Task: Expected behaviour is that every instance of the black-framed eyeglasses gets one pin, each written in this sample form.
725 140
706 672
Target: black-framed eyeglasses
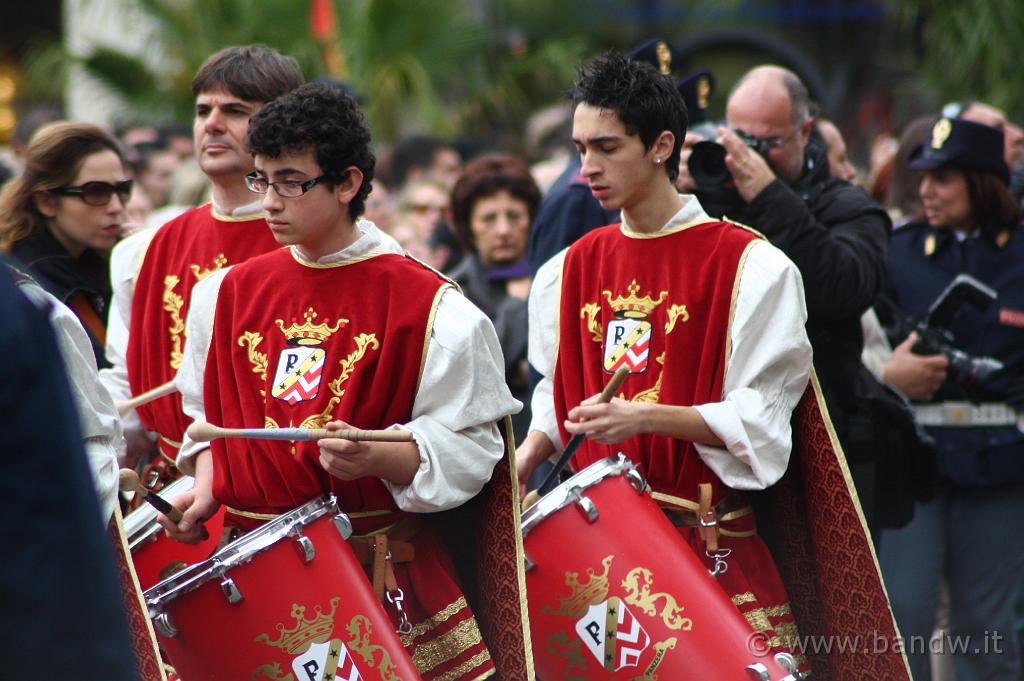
99 193
763 145
286 189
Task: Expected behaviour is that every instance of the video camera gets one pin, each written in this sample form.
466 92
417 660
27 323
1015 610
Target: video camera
936 337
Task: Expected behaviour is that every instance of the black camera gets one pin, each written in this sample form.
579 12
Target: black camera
936 337
707 161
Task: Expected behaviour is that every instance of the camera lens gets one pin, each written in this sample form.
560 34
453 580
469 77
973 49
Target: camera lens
707 165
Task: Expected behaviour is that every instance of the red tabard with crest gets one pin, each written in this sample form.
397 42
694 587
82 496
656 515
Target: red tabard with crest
662 304
297 345
182 252
681 281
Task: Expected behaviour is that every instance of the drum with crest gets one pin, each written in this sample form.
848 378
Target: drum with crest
615 593
288 600
155 555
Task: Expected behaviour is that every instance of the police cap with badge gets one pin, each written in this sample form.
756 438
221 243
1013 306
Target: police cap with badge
695 87
965 145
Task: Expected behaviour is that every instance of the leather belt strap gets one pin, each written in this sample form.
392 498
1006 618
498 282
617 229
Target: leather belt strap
379 552
965 414
707 518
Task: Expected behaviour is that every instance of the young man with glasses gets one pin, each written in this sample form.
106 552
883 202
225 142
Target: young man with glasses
340 330
834 233
153 271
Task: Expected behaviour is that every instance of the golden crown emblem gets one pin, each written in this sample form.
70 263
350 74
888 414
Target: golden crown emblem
940 132
309 333
218 263
632 305
582 596
306 632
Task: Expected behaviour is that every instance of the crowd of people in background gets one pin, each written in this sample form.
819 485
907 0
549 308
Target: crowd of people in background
931 435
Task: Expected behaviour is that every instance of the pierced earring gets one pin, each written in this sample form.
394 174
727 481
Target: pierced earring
657 161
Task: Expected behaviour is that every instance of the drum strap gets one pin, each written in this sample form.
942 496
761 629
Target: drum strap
380 551
707 518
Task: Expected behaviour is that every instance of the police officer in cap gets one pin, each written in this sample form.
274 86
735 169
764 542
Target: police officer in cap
967 533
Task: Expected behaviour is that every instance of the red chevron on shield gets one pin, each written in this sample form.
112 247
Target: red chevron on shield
627 342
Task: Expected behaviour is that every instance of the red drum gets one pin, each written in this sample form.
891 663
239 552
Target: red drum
286 601
615 593
155 555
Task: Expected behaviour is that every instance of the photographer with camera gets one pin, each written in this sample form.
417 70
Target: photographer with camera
769 172
976 323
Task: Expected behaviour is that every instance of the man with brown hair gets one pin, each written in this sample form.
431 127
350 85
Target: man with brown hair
153 271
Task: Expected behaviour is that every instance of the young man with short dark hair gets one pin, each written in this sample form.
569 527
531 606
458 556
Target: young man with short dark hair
342 328
683 301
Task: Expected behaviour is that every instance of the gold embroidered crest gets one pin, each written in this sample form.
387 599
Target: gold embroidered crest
627 339
173 303
218 263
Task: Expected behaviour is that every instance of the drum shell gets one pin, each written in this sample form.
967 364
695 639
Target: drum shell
217 640
712 638
153 551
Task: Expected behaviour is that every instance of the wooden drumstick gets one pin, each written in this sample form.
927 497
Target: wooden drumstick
128 481
574 442
126 406
200 431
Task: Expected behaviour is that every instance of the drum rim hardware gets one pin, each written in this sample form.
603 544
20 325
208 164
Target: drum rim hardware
139 525
759 672
569 491
240 552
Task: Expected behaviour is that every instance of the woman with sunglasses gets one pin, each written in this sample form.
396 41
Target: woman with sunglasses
61 216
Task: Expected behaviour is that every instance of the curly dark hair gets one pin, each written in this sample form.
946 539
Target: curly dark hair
325 120
486 176
647 102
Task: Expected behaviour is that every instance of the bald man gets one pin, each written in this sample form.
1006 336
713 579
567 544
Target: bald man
836 235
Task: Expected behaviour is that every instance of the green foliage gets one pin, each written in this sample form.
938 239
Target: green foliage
970 49
418 65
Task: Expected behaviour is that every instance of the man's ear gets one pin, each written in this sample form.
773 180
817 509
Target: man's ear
663 145
347 189
45 203
805 129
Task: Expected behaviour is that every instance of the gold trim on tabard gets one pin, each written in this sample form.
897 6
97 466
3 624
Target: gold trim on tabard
250 514
744 598
474 661
448 646
848 478
510 452
136 585
173 443
220 217
732 313
430 330
632 234
341 263
434 621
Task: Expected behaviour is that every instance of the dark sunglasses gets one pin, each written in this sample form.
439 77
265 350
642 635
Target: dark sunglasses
99 193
